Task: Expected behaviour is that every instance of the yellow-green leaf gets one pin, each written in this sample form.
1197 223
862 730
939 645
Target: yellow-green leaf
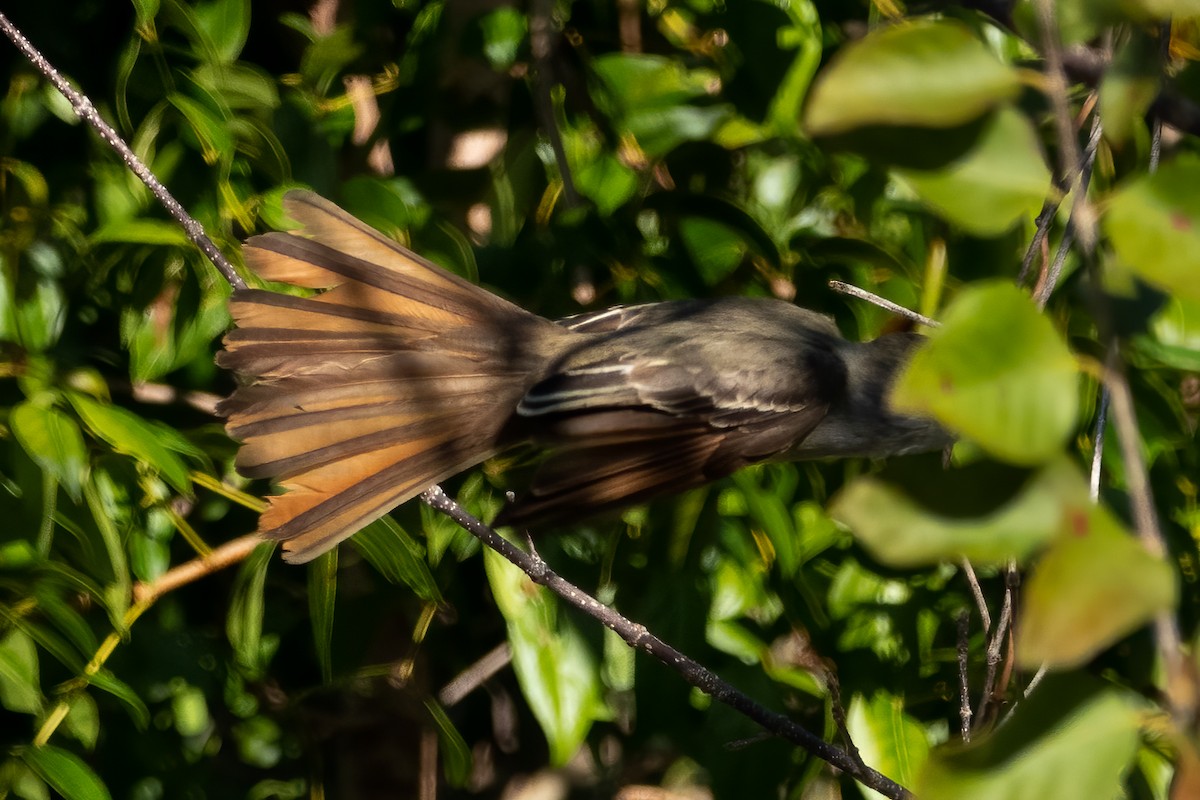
928 74
997 372
1095 585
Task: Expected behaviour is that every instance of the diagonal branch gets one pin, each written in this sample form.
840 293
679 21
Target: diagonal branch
639 638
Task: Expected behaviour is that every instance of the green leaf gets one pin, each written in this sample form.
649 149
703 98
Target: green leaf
933 74
503 34
900 533
259 741
1129 86
189 709
1154 225
40 316
1176 335
1094 586
212 132
997 372
21 781
83 720
1069 740
225 24
1002 180
397 556
770 511
141 231
556 669
322 602
456 755
715 248
53 441
107 682
128 433
20 690
65 772
888 739
243 626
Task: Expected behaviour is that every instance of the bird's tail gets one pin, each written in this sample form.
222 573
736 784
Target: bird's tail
396 376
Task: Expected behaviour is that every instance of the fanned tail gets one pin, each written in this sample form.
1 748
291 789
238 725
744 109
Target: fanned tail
396 376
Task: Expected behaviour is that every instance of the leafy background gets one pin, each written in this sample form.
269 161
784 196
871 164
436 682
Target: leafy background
759 148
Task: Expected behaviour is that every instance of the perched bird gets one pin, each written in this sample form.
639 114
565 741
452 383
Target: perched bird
399 374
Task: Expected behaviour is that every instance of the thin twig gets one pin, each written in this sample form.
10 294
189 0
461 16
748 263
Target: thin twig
964 685
1080 206
862 294
475 675
977 592
995 645
84 109
1056 89
639 638
541 37
1042 225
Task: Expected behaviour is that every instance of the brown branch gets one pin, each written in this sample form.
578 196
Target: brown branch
862 294
221 557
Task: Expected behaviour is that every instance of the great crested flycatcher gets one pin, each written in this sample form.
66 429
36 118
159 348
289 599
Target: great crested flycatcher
399 374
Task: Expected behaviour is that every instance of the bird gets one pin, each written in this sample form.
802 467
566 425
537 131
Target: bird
392 374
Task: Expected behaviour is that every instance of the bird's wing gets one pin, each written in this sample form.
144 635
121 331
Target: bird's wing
628 423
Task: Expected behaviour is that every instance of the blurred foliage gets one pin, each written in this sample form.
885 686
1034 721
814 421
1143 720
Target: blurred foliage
759 148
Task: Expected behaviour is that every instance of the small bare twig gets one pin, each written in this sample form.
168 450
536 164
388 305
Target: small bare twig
991 694
475 675
862 294
964 683
86 111
985 616
1056 90
541 37
1049 280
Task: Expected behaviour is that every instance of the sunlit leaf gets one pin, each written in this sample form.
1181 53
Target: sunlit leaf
397 556
897 531
53 440
83 720
19 687
189 710
888 739
557 670
40 315
128 433
1154 225
1069 740
1002 180
997 372
106 681
66 772
1095 585
244 623
935 74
